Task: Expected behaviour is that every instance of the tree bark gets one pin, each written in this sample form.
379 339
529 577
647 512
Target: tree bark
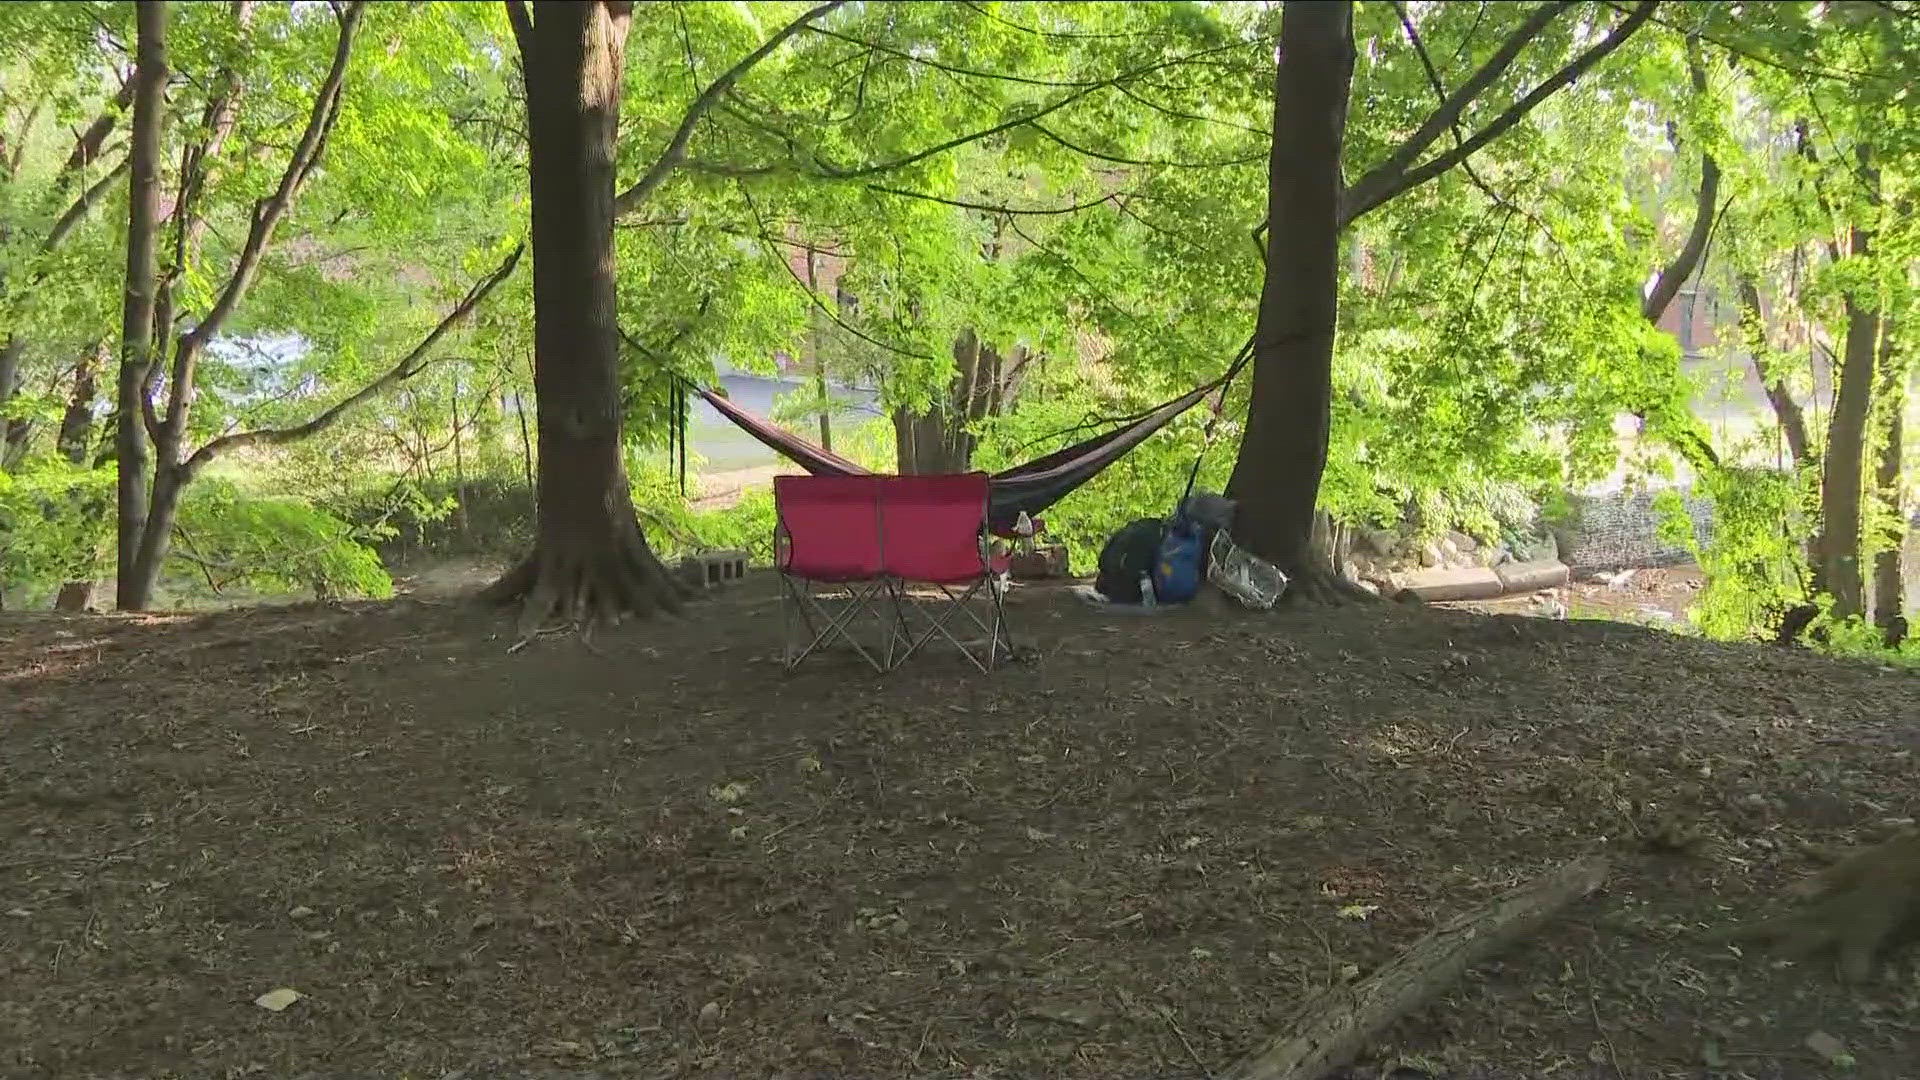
151 534
1864 904
1276 478
133 589
941 440
1787 411
1688 437
1889 585
1837 571
75 444
1675 274
590 562
819 360
1328 1032
12 356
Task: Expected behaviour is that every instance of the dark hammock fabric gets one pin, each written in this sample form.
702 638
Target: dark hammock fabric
1028 488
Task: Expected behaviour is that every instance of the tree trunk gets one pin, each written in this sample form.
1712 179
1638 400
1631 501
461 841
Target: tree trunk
821 397
1276 478
12 377
590 561
1792 419
136 319
1837 571
459 464
1889 586
941 440
1863 905
75 443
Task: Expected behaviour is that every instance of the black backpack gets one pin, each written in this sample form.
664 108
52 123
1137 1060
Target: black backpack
1127 555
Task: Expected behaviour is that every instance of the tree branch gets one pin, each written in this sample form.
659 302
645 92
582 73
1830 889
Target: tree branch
989 208
676 149
522 22
269 211
1393 176
408 366
1453 106
1753 325
1675 273
77 213
86 148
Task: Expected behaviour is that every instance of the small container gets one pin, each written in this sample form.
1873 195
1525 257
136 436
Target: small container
1146 590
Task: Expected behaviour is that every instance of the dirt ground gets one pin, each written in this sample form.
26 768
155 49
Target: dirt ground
1129 856
1656 596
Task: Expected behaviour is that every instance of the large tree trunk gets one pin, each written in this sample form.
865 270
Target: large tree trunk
1837 569
1276 478
941 440
590 561
1889 586
136 320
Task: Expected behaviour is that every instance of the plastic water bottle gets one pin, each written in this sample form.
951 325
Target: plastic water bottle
1146 590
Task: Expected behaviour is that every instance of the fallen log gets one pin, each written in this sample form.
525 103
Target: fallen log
1326 1032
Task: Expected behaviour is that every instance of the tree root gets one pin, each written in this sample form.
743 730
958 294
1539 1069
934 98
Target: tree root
1318 585
1859 908
586 589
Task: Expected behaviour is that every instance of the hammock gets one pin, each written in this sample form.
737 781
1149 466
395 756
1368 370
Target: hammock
1029 488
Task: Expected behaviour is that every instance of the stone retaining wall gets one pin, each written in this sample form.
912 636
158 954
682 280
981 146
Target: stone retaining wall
1622 528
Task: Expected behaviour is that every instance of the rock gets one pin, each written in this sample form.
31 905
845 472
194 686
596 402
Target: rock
1464 542
1383 542
1430 555
1449 550
710 1015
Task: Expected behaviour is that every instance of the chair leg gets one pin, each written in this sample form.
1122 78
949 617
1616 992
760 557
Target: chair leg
937 626
999 635
837 624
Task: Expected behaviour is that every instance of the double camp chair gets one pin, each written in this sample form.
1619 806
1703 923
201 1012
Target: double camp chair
865 540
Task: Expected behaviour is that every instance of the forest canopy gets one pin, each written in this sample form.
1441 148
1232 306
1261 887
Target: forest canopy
268 325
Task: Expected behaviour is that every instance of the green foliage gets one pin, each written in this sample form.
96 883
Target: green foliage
47 534
233 541
1490 332
1755 564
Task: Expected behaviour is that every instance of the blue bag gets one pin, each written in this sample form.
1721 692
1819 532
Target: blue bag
1182 564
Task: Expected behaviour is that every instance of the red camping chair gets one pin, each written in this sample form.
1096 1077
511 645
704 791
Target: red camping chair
827 532
935 534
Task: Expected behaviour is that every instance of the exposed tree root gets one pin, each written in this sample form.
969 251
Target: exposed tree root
585 586
1319 585
1858 908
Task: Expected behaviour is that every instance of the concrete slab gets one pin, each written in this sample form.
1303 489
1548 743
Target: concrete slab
1518 577
1438 584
